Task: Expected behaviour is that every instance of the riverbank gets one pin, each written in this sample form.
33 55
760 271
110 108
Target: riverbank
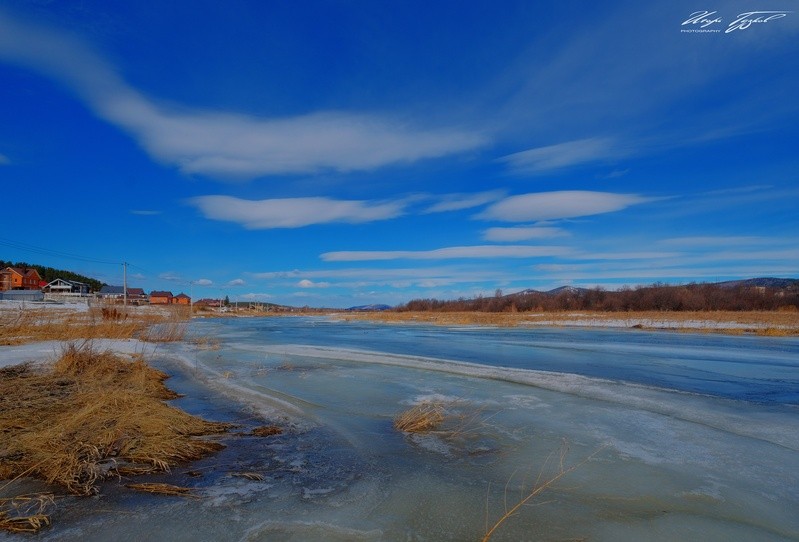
733 323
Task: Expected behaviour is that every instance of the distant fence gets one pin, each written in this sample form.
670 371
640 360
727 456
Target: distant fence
22 295
82 299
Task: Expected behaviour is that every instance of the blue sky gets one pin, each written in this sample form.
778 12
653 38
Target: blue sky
346 153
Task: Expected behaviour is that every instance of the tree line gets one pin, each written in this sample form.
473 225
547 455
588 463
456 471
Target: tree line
49 274
656 297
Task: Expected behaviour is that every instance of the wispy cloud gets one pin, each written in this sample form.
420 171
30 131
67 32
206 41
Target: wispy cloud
717 241
482 251
523 233
143 212
4 160
236 282
305 283
558 205
226 144
563 155
458 202
204 282
400 278
294 212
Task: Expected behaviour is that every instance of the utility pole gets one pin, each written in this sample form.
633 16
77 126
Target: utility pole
125 283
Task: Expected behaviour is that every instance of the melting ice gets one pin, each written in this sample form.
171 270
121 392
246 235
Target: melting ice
686 436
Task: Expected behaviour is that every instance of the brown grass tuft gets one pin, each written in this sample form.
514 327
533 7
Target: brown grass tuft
162 489
93 415
266 431
421 418
25 513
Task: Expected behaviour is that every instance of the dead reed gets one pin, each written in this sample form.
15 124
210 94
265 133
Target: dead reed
450 419
266 431
19 326
556 463
162 489
421 418
93 415
25 513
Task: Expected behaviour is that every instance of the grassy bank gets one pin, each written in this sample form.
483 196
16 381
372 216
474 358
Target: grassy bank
87 417
26 325
761 323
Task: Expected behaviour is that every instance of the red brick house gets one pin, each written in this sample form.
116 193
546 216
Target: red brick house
160 298
17 278
181 299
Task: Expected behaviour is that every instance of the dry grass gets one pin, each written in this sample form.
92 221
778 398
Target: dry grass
542 483
93 415
19 326
449 419
772 323
161 489
266 431
421 418
25 513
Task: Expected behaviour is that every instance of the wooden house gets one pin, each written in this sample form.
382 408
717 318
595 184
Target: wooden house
181 299
17 278
160 298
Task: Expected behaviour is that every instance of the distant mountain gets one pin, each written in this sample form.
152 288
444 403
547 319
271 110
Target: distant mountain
763 282
369 308
554 291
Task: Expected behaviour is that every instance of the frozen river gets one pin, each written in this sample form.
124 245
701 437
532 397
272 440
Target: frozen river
689 436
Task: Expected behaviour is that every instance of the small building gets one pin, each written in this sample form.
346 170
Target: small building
65 287
116 294
137 294
160 298
18 278
181 299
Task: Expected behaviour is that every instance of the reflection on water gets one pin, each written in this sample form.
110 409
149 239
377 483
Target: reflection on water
692 436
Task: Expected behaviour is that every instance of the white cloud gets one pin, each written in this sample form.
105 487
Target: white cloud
557 205
204 282
562 155
484 251
236 282
523 233
305 283
4 159
457 202
170 276
222 143
294 212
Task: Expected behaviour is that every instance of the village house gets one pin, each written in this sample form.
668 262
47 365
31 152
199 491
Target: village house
160 298
16 278
66 287
181 299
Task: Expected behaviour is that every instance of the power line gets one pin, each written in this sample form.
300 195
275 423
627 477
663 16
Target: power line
49 252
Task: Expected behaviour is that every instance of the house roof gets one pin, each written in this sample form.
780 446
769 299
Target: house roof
107 289
157 293
67 281
181 295
26 272
136 291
